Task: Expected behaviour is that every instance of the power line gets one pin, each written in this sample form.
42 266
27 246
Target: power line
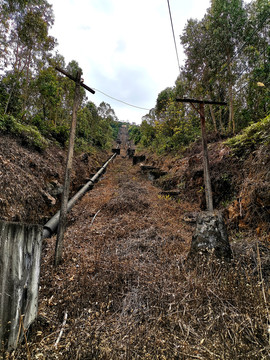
173 32
174 37
121 101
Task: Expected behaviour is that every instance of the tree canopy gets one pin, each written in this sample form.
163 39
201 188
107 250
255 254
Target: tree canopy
32 92
227 56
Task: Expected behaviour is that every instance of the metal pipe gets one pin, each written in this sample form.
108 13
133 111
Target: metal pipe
51 226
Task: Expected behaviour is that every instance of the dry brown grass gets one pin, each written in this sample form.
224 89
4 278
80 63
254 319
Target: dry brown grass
130 294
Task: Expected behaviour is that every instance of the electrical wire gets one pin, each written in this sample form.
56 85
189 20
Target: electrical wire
121 101
177 56
174 37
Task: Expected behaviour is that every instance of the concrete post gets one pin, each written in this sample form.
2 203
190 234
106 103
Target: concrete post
20 252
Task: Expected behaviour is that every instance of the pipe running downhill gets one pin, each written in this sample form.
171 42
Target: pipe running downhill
51 226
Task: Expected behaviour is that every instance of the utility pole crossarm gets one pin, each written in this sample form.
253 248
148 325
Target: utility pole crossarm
195 101
74 79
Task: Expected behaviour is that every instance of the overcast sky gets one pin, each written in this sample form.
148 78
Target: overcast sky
125 47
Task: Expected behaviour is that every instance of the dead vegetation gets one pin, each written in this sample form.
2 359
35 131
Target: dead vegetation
31 182
240 184
130 294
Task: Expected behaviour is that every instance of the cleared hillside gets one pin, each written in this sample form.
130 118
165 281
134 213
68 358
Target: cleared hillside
125 284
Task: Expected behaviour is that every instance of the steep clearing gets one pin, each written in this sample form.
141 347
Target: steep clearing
125 287
128 292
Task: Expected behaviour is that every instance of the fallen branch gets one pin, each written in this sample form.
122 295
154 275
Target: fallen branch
95 217
62 329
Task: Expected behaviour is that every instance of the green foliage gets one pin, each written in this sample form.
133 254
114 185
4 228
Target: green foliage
251 137
115 125
227 56
29 135
148 133
60 132
81 145
171 126
94 129
135 134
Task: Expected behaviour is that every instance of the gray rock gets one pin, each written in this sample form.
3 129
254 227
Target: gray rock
54 188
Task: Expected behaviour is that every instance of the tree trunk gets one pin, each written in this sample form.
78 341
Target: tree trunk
8 101
26 86
213 118
231 109
221 123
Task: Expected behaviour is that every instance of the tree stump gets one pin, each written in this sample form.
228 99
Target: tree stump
210 237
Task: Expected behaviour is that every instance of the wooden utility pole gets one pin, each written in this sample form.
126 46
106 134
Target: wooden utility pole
206 172
65 195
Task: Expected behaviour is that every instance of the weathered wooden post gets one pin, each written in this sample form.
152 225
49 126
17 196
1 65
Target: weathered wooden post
65 195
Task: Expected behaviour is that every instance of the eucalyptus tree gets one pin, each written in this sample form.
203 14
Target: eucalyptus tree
211 46
254 83
47 97
226 21
27 43
170 125
201 64
106 112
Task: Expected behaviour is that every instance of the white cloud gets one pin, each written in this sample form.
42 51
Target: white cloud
124 47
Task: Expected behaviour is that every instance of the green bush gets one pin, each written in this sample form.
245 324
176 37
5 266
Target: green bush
251 137
82 145
60 133
29 135
135 134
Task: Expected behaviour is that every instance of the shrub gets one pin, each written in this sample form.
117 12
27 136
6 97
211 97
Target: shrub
251 137
29 135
